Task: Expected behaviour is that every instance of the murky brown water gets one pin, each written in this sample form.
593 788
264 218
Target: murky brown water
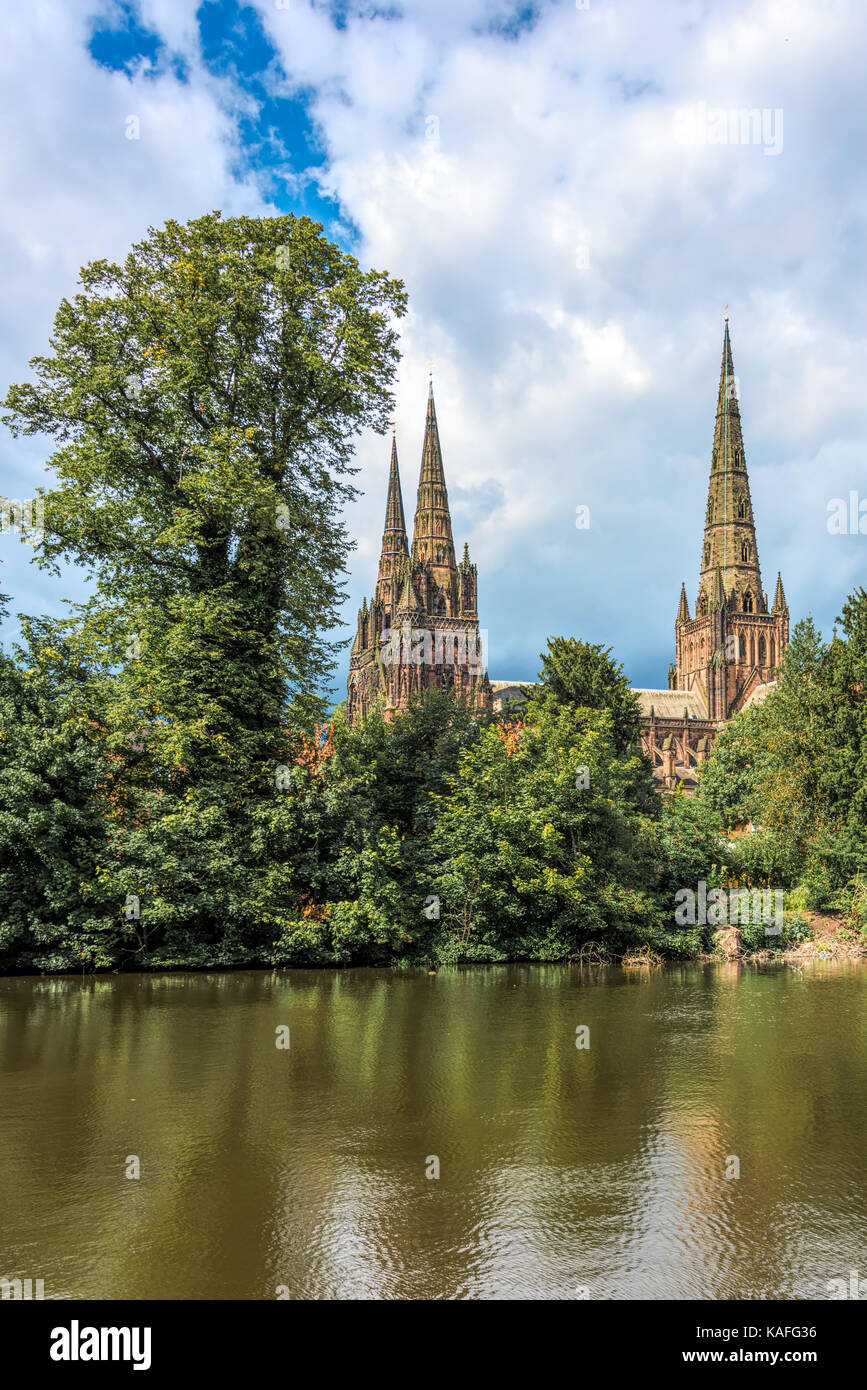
559 1168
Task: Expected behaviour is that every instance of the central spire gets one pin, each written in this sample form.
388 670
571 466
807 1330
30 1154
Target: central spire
729 532
432 528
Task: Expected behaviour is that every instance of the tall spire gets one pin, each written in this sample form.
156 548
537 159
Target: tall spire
394 543
432 528
780 605
729 532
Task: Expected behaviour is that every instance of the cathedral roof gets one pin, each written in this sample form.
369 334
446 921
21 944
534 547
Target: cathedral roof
670 704
759 694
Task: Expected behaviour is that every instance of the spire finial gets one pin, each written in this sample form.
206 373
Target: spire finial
727 313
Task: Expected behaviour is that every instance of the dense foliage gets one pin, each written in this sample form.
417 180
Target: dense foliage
795 768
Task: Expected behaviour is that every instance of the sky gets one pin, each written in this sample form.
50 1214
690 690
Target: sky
572 193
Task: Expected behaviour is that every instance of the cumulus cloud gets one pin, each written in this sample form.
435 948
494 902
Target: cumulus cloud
570 226
74 187
550 184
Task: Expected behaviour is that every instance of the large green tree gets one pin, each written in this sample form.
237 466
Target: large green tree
203 397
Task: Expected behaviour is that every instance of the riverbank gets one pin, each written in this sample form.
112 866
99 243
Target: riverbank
829 937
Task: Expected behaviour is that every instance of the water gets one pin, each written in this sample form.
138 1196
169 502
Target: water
304 1170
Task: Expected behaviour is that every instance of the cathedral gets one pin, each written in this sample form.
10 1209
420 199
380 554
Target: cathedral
420 630
727 653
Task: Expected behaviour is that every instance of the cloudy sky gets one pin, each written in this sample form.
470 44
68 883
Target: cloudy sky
571 197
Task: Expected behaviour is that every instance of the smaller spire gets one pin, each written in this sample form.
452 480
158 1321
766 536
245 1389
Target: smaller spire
683 606
780 605
408 598
718 597
394 519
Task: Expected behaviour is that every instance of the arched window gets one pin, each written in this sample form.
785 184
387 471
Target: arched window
748 602
702 605
745 551
741 653
706 556
761 651
771 651
742 507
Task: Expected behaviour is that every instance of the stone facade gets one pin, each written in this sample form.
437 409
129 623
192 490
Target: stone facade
421 629
727 653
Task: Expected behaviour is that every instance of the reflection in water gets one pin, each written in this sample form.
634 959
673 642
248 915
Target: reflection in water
559 1167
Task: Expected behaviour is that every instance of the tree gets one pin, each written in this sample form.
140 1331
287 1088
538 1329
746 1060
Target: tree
203 398
583 675
540 843
54 781
777 765
358 832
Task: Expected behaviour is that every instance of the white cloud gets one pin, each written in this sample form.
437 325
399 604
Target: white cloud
562 375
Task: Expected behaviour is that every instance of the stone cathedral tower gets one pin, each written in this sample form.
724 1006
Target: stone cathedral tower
421 629
735 642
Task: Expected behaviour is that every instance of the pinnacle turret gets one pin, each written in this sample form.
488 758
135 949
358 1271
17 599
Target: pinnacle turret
780 604
683 606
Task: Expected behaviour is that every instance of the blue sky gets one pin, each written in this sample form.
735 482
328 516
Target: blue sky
552 183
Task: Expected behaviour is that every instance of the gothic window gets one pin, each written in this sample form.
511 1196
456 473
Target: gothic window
771 651
742 507
748 602
702 605
706 556
745 551
761 651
